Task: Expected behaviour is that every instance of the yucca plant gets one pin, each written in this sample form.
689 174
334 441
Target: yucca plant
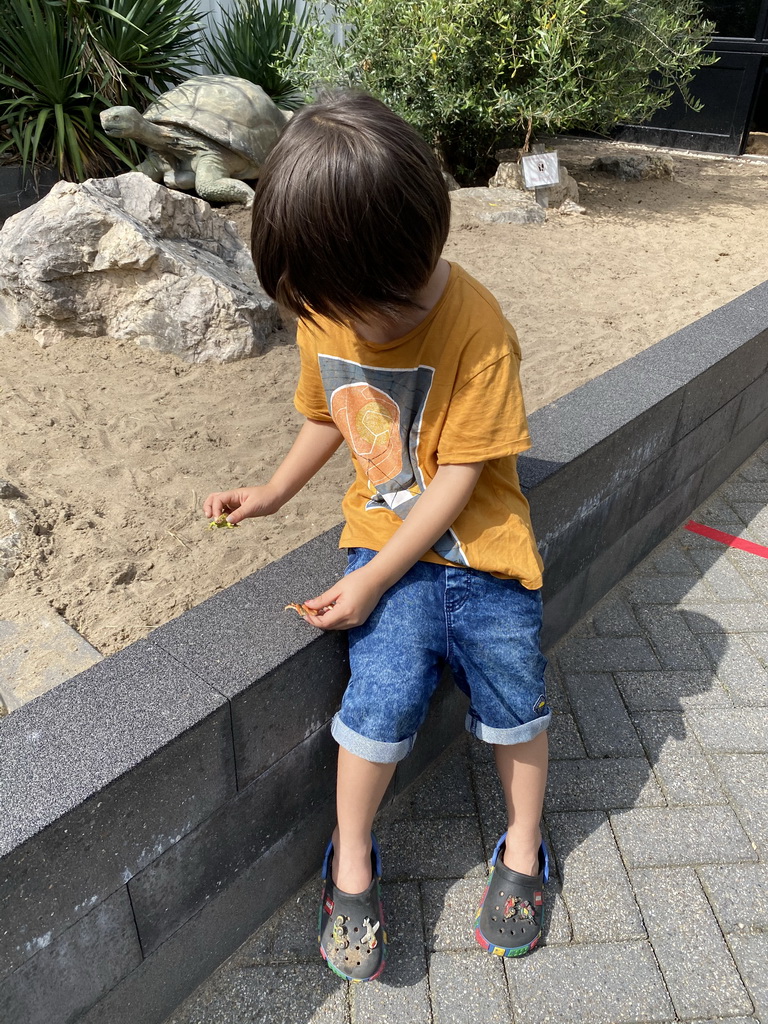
64 61
251 36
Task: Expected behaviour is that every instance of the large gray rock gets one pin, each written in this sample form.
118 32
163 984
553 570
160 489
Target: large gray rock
498 205
128 258
635 167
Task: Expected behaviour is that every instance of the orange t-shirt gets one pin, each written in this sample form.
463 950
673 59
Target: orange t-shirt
447 392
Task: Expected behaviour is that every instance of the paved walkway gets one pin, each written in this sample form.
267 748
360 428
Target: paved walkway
657 815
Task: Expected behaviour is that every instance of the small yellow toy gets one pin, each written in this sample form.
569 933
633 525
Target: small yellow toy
222 524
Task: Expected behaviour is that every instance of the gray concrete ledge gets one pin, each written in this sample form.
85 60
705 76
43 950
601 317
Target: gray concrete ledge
150 804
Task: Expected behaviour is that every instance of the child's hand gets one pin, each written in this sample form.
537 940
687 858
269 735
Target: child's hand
352 599
241 504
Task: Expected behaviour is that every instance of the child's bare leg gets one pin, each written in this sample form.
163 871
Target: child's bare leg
360 788
522 769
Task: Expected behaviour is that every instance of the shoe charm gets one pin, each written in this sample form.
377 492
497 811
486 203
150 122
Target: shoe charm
515 907
339 933
370 933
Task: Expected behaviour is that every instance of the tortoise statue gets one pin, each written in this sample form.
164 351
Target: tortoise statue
207 134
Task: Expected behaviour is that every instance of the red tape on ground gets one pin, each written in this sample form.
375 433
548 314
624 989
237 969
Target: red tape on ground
728 539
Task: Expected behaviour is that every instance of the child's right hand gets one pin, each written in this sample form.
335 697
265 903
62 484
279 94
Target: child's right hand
243 503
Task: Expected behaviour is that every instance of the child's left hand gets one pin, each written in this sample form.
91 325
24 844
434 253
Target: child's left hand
352 599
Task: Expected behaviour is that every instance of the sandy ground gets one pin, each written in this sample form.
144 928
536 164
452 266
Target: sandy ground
114 447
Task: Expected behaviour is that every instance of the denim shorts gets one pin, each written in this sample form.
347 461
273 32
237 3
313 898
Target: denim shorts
486 629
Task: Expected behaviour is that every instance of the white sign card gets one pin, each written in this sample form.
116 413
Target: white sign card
540 170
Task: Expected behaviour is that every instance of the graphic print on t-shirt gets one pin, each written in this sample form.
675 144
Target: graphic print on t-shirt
379 411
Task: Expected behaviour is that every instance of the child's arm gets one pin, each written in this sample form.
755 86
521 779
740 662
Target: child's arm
356 595
315 444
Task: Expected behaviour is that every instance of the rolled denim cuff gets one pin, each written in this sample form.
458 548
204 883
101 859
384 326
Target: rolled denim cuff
370 750
517 734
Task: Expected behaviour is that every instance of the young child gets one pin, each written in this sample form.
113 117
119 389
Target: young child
409 360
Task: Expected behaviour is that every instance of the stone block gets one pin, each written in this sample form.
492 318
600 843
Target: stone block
671 691
612 617
751 955
725 619
496 206
205 862
443 726
745 778
564 739
676 836
100 776
600 983
748 913
607 654
432 848
740 730
590 868
468 988
601 784
242 634
168 975
70 972
744 675
728 378
603 721
684 772
698 970
269 719
754 399
676 647
269 994
405 994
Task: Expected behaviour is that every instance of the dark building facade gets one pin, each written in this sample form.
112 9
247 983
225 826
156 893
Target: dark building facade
734 91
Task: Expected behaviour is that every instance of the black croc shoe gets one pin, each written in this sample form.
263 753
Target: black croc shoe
508 921
351 932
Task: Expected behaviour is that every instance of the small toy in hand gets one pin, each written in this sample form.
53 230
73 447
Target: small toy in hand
301 609
221 523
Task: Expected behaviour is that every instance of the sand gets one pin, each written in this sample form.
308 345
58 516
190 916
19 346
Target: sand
115 447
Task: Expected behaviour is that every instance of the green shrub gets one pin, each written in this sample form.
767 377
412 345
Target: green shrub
468 73
251 36
63 61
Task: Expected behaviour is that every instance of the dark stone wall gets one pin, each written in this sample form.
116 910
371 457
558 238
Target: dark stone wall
149 804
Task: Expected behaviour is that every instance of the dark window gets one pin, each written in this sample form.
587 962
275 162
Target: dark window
734 17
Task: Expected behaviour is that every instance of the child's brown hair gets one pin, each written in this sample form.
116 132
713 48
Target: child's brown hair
351 211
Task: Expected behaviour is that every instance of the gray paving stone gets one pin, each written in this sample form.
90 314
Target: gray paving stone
745 778
699 973
601 983
271 994
591 867
714 512
445 791
673 590
468 988
751 955
722 576
676 836
564 739
601 715
744 675
295 925
739 488
614 618
402 992
757 643
672 558
432 848
740 730
673 641
752 568
490 801
738 895
607 654
755 515
671 691
685 774
725 618
449 912
754 470
601 784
